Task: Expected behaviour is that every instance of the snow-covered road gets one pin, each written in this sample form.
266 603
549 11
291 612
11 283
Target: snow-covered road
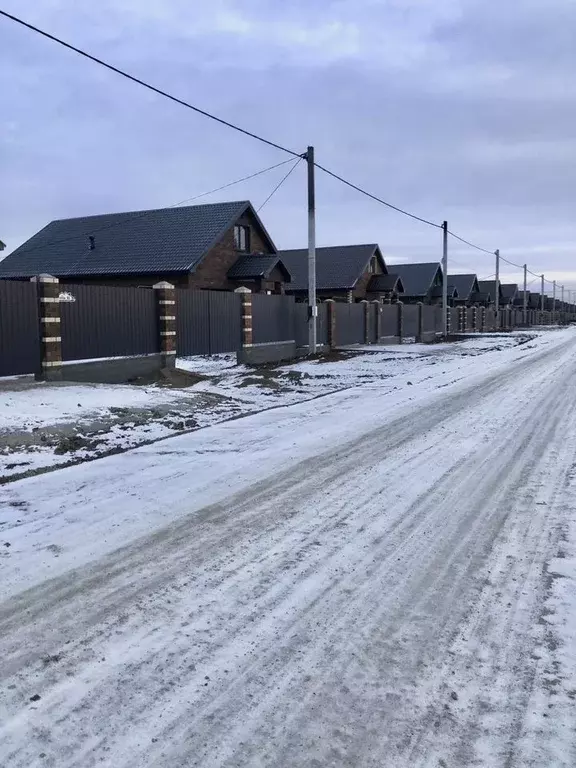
336 583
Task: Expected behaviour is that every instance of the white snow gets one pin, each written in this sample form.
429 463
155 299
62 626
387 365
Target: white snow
383 576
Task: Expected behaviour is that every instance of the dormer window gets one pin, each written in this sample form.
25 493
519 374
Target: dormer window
242 238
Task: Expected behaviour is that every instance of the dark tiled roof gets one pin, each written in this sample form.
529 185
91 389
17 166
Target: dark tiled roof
338 267
509 291
385 284
465 285
143 242
489 286
417 278
251 266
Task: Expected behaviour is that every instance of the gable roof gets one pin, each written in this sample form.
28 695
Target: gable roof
2 245
417 278
479 297
489 286
509 291
338 267
143 242
385 284
465 285
251 266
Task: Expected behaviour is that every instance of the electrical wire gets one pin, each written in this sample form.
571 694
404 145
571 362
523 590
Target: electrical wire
378 199
144 84
141 214
472 245
277 187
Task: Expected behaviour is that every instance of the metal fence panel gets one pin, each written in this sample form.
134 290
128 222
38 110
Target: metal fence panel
490 320
454 319
272 318
389 320
108 321
410 320
470 319
225 321
192 322
373 310
19 328
349 324
432 319
301 325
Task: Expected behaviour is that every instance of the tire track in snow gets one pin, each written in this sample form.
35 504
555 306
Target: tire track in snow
328 616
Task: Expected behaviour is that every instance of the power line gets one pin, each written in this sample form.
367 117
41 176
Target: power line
472 245
144 84
141 214
277 187
378 199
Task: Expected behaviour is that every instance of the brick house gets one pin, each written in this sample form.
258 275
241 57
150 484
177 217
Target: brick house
343 272
422 283
218 246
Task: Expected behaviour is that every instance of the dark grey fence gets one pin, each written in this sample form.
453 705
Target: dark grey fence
349 324
322 324
470 319
410 320
431 319
207 322
19 328
389 320
105 321
272 318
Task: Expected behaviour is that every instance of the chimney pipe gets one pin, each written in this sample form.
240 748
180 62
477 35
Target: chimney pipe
92 244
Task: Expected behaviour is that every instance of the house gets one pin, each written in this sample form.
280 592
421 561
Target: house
465 286
509 292
490 287
422 282
220 246
343 272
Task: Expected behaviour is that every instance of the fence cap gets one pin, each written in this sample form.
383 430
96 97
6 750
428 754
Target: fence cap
242 289
44 278
163 284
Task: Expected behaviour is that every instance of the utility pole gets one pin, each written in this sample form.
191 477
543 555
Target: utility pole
525 301
497 304
445 274
312 308
553 301
542 294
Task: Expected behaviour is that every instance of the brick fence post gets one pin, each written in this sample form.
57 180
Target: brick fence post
483 320
366 307
474 318
50 363
165 295
331 322
462 319
448 321
400 321
377 319
246 318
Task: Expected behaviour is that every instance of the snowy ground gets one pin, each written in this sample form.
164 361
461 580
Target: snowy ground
380 577
48 425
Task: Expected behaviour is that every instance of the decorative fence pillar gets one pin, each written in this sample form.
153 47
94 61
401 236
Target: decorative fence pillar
331 322
165 295
462 318
400 321
377 320
483 319
246 317
448 321
50 364
474 318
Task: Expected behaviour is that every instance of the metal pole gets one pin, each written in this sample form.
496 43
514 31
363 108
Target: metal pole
525 301
542 295
562 307
312 308
445 276
553 301
497 304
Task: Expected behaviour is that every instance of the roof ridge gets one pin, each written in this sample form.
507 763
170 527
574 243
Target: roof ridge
148 210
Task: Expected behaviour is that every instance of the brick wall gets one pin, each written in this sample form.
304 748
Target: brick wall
211 273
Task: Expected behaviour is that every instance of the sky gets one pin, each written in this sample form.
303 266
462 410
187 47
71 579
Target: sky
457 110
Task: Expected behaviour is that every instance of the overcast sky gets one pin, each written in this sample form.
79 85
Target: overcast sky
462 110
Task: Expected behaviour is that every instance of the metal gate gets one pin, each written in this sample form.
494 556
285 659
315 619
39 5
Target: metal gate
207 322
349 323
272 318
19 328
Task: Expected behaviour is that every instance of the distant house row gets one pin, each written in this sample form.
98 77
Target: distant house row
225 246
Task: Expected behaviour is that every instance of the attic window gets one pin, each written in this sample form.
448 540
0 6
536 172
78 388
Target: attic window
241 237
372 267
